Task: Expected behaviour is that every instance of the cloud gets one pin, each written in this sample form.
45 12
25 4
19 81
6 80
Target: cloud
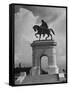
24 21
49 14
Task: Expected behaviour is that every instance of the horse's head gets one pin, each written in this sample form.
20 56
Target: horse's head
34 28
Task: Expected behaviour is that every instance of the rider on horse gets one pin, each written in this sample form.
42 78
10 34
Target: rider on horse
43 30
44 25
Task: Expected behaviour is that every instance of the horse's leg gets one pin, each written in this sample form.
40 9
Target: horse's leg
43 35
36 35
51 36
47 36
39 36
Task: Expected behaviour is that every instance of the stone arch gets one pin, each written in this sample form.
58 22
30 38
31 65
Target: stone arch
44 48
43 63
43 55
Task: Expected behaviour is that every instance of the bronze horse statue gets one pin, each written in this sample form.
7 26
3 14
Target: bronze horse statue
43 31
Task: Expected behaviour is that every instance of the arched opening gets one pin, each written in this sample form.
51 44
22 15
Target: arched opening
44 64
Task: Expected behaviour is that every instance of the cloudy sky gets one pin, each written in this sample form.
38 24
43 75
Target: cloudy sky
25 18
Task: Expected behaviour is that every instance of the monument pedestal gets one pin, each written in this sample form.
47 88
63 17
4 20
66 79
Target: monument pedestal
44 48
53 70
35 71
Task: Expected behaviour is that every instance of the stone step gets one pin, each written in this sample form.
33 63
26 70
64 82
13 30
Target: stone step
40 79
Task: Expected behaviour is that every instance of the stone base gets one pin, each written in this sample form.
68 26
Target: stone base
35 71
44 48
43 43
53 70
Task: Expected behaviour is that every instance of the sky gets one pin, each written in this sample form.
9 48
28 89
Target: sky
25 18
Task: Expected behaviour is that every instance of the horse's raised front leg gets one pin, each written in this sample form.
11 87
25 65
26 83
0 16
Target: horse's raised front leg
36 35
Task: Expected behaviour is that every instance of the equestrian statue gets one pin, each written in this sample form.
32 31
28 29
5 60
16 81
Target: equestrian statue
43 30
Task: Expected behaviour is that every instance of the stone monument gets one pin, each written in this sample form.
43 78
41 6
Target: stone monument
43 48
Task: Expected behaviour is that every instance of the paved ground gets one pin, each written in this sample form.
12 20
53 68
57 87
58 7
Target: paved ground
41 79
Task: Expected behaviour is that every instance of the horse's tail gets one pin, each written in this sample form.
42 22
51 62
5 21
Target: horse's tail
52 31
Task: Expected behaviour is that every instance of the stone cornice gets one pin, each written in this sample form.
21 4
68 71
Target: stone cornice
43 43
